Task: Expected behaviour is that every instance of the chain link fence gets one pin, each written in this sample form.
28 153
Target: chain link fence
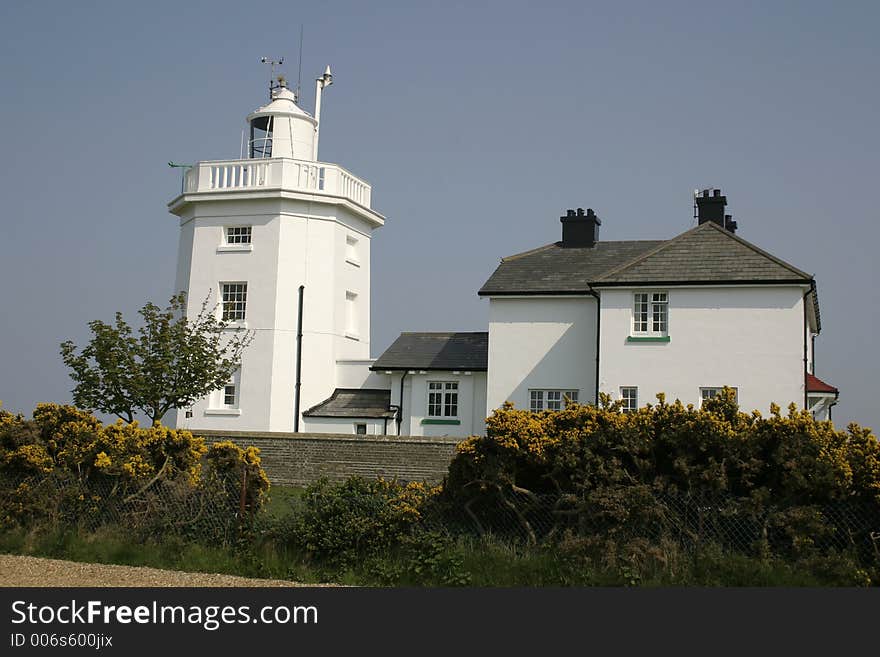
690 522
211 510
215 511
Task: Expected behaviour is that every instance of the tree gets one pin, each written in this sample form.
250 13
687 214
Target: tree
170 363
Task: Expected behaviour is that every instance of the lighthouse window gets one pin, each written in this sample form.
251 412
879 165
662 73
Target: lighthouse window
238 234
261 137
234 301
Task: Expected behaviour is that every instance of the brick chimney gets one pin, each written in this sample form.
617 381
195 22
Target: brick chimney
711 208
579 229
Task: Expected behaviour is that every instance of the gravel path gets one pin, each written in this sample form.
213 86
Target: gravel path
33 571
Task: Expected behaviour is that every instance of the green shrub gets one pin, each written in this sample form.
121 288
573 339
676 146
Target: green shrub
339 522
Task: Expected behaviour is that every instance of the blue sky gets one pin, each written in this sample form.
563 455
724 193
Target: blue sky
477 124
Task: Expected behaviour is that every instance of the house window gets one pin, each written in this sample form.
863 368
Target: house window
360 429
234 301
443 399
629 395
229 396
238 234
551 400
709 393
650 313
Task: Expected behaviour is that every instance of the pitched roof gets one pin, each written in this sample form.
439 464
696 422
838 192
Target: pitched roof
705 254
436 351
815 384
554 269
355 403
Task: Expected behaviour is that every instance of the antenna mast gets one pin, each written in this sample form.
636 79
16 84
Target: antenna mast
300 76
274 81
324 81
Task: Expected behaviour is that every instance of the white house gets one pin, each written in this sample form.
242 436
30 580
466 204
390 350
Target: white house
632 319
281 242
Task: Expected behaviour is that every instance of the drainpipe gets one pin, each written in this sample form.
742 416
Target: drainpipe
598 334
299 341
806 294
400 408
813 353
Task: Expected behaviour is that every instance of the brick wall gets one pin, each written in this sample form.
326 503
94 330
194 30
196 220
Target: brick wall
300 458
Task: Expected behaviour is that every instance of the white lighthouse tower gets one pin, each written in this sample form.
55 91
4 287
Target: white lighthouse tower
281 242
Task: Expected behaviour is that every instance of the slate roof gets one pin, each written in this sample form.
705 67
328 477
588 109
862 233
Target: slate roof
554 269
436 351
355 403
705 254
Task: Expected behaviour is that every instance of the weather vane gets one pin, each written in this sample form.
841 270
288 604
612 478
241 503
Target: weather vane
275 81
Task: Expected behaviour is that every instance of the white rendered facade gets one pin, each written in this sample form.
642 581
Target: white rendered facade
541 343
751 338
748 338
470 390
311 225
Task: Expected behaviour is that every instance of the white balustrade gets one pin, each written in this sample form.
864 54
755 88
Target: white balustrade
277 173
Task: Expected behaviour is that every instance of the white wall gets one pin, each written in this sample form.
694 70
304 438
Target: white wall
540 343
294 242
748 337
471 403
375 426
357 374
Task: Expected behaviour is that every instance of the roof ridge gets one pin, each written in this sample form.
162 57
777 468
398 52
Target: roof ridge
530 252
760 251
712 226
647 254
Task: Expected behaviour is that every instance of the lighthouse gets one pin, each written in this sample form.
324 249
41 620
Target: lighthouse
279 243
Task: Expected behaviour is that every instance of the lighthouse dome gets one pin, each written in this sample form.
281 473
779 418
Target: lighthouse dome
281 128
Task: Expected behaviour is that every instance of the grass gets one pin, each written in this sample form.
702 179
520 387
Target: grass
465 561
280 499
430 559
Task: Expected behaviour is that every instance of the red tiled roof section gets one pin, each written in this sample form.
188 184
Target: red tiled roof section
815 384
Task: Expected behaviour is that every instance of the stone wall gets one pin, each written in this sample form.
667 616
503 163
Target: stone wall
301 458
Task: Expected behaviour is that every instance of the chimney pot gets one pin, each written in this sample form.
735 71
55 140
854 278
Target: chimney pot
711 208
579 229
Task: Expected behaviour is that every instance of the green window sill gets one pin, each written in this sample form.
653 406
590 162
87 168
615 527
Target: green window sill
429 420
658 338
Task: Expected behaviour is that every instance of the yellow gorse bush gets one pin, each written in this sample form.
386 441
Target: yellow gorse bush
670 446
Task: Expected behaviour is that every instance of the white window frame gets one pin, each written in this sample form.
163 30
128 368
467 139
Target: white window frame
626 406
357 425
230 311
551 399
237 235
230 389
218 400
442 399
650 313
710 392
